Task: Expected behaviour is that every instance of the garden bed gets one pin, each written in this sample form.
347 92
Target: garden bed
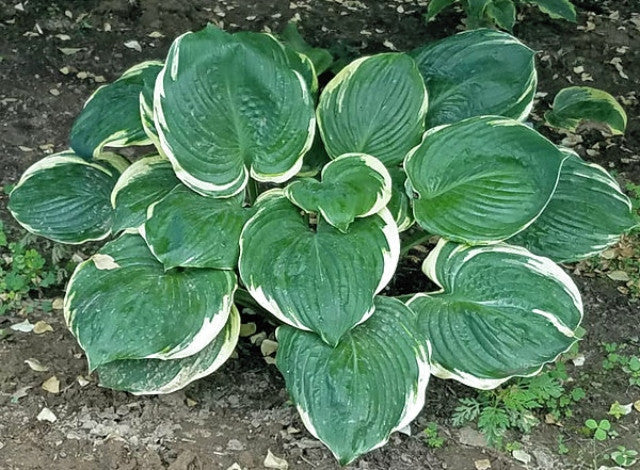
240 412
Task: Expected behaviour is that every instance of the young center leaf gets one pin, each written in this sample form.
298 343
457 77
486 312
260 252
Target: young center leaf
189 230
321 58
225 109
375 105
147 117
400 204
155 376
353 185
587 213
111 116
576 105
481 180
502 312
477 73
146 181
65 198
353 396
122 304
318 279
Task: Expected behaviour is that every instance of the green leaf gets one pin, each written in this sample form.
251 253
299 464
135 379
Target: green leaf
481 180
502 312
282 54
436 6
503 12
122 304
353 396
225 109
591 424
477 73
315 159
353 185
575 105
152 376
111 116
557 8
189 230
316 278
146 181
476 9
147 117
375 105
587 213
400 204
321 58
65 198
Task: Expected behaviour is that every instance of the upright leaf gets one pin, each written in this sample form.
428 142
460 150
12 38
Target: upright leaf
575 105
146 181
503 12
321 58
122 304
111 116
557 8
587 213
65 198
376 105
353 185
189 230
477 73
436 6
400 204
225 110
153 376
481 180
316 278
502 312
353 396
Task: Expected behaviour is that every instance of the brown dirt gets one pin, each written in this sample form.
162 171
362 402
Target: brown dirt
241 411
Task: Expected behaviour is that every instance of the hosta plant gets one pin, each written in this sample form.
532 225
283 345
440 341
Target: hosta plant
263 189
501 13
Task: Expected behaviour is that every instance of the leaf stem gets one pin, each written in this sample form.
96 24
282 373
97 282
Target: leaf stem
416 239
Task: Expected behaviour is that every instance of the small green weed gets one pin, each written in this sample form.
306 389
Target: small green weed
431 436
624 457
601 430
629 364
515 406
23 272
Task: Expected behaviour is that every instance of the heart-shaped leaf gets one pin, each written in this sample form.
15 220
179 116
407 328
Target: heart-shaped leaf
122 304
111 116
189 230
557 8
318 279
66 198
502 312
353 185
375 105
353 396
477 73
578 104
153 376
146 181
482 180
587 213
224 109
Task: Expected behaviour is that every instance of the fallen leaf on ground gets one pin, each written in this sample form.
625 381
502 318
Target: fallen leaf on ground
70 50
25 326
36 365
51 385
620 276
133 44
247 329
483 464
271 461
58 303
521 456
46 415
155 34
82 381
268 347
41 327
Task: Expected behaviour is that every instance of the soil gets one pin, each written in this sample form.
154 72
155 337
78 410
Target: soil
239 413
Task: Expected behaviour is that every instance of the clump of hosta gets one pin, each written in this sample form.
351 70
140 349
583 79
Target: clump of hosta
262 185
